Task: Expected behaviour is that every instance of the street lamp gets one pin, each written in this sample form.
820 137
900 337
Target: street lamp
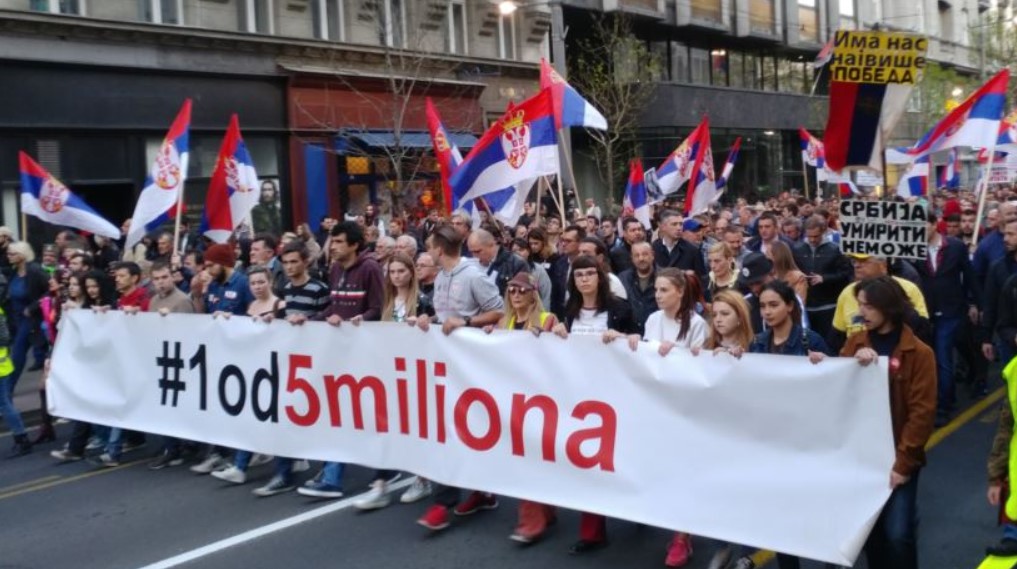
507 7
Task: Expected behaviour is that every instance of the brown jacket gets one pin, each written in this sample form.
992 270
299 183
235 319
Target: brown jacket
999 456
912 396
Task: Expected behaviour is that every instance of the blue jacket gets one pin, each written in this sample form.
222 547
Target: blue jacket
796 343
990 249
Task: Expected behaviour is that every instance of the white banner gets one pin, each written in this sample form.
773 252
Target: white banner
767 451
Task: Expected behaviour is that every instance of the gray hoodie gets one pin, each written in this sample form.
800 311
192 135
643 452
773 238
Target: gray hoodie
464 291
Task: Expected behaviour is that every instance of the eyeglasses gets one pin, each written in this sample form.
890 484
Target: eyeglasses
517 290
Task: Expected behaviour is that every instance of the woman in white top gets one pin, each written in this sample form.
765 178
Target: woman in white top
676 323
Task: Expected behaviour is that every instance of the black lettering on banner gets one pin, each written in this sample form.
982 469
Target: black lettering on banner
171 367
228 372
271 376
198 361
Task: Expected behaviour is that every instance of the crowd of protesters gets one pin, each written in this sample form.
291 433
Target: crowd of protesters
765 278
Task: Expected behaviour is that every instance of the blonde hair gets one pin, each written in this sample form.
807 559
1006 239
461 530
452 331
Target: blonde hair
533 322
744 334
783 260
22 249
725 251
391 292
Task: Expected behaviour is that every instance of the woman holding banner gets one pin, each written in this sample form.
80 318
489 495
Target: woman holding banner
591 309
525 311
893 542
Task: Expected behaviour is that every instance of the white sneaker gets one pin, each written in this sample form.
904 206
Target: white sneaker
211 464
301 466
421 488
231 474
375 499
260 459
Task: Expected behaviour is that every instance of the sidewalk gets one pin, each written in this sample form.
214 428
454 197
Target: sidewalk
26 396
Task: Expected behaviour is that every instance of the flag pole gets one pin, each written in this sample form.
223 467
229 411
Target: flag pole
985 192
24 226
572 173
176 222
540 197
561 201
805 177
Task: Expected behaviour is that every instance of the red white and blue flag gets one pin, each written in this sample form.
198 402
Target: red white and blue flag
949 176
158 201
234 189
636 203
1008 132
677 167
447 154
729 164
974 123
703 184
914 182
45 197
570 108
824 56
860 119
520 147
812 150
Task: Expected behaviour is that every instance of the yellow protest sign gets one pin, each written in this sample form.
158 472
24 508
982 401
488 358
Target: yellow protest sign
877 57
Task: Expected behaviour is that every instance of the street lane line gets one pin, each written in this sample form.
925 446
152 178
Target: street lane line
264 530
762 556
42 480
61 480
965 417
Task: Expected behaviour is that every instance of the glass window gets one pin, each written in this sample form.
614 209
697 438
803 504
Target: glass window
736 70
719 67
700 66
753 69
708 10
679 62
808 21
328 20
847 15
945 21
785 76
161 11
395 20
507 36
70 7
256 16
457 28
767 72
761 16
659 50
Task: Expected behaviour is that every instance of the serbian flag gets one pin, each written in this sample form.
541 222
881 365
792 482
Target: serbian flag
824 56
234 189
158 200
860 119
47 198
974 123
677 167
813 153
725 174
636 203
522 145
703 185
570 108
446 153
950 175
914 182
1008 132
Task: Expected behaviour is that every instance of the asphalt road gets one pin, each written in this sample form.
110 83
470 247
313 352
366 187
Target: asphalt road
81 516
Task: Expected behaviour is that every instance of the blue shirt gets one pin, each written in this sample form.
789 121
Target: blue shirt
233 296
18 295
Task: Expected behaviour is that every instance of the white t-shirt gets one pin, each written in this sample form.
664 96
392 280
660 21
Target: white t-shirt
660 328
590 323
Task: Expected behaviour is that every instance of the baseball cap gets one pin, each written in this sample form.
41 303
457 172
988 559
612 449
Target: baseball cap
755 268
691 224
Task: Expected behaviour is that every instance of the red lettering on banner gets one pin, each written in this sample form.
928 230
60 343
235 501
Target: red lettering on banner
521 405
439 400
606 432
422 397
403 395
294 383
462 409
356 389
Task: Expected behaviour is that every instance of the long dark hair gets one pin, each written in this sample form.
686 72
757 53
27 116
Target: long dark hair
575 302
107 289
886 296
786 294
688 304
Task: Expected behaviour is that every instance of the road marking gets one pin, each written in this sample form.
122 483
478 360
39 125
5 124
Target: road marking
61 480
762 556
42 480
264 530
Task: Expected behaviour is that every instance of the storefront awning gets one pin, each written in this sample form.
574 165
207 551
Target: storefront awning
406 139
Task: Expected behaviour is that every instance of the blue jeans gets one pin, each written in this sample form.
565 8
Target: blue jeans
332 474
284 469
946 333
242 459
19 352
1010 532
893 543
10 414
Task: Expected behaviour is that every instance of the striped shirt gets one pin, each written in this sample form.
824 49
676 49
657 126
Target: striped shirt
307 299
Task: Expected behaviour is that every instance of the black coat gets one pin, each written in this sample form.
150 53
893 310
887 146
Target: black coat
828 262
619 317
684 256
951 288
643 302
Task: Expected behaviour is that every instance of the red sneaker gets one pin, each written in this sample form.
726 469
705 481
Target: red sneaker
679 551
436 518
474 502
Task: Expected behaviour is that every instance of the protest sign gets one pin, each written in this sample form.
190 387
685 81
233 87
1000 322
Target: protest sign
884 228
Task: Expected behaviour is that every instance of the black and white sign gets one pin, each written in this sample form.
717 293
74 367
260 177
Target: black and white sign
884 228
